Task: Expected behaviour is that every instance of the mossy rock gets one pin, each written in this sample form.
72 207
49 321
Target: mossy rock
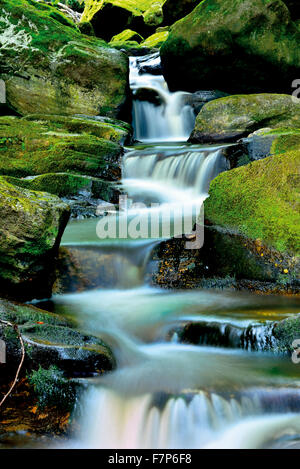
48 64
127 35
260 200
244 46
33 223
50 340
285 333
232 117
31 147
65 185
110 17
156 40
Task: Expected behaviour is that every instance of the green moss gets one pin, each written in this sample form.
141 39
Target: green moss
52 388
242 114
127 35
285 332
260 200
247 42
156 40
87 77
36 147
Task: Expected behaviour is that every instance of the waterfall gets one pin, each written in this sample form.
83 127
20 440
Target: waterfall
187 169
158 115
167 394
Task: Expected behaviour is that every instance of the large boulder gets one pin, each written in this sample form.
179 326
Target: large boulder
236 116
260 201
50 339
246 46
31 229
48 65
36 146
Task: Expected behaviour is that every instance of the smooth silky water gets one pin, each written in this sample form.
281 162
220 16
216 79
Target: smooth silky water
164 394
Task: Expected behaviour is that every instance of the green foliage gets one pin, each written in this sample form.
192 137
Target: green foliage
52 388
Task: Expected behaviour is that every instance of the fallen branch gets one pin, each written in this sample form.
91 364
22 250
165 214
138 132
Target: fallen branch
15 327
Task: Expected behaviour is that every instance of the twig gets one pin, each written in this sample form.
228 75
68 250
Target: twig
15 327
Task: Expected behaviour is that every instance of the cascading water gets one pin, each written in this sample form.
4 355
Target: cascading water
167 394
158 115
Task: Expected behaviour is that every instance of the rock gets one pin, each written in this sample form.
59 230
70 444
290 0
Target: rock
127 35
154 15
34 147
50 339
232 117
174 10
83 194
48 65
86 268
110 19
32 226
265 142
271 336
260 201
155 41
198 99
227 261
249 46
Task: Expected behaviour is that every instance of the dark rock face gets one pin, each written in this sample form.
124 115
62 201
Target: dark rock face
274 336
227 260
174 10
235 46
198 99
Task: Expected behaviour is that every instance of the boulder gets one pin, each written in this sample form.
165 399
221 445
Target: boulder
247 46
48 65
232 117
260 201
36 146
32 226
50 339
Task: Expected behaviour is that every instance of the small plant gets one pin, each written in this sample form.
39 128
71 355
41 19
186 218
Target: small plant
52 388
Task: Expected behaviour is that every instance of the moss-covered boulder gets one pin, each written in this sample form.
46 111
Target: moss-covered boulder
50 339
232 117
260 200
48 65
34 147
239 46
31 229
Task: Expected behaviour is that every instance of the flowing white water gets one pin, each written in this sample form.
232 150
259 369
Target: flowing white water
166 394
169 117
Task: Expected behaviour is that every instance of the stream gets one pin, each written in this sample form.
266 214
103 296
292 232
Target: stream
165 394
